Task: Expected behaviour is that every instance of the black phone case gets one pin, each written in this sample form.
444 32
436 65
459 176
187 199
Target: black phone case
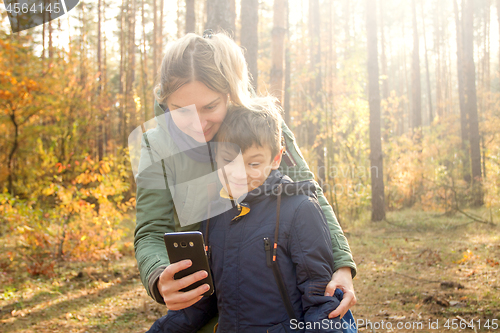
189 245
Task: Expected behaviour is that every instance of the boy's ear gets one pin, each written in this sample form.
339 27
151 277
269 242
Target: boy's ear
277 159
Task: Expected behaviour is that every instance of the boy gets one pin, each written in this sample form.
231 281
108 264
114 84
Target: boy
263 283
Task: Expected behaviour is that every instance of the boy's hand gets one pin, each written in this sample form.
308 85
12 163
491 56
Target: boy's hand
169 287
341 279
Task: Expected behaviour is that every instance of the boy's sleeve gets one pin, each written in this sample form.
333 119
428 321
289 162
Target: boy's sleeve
187 320
310 250
294 166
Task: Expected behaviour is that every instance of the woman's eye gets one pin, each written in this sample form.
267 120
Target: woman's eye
227 160
254 165
210 107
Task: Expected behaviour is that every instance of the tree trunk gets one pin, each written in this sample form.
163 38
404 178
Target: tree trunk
277 45
249 36
100 143
83 33
486 62
385 122
498 16
464 128
416 92
178 20
43 31
383 58
333 43
346 11
315 45
10 179
190 17
99 43
51 48
160 33
155 38
376 159
288 71
121 98
315 129
129 94
471 104
219 16
232 17
104 77
144 66
429 93
437 50
406 109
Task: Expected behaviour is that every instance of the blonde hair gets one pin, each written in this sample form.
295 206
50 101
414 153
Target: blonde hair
217 62
257 123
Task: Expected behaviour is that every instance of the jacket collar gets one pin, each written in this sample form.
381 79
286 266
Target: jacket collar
270 187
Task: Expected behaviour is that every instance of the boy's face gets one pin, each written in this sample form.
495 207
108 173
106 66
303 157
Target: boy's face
247 171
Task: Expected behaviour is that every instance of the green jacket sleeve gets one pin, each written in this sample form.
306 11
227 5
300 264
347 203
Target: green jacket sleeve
294 166
155 214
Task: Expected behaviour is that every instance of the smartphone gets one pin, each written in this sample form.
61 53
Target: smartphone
189 245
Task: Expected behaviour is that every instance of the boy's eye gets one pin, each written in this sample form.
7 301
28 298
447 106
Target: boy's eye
210 107
227 160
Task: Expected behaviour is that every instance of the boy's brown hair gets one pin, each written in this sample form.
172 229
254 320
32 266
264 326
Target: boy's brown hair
259 124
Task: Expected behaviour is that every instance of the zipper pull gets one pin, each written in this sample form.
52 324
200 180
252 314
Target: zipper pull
267 247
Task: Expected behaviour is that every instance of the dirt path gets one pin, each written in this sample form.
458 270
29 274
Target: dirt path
427 273
421 271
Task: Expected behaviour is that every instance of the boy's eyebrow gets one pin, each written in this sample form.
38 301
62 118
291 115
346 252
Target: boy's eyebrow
212 102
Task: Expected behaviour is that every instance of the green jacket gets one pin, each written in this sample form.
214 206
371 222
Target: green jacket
157 214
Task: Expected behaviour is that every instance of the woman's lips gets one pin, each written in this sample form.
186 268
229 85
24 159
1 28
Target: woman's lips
203 133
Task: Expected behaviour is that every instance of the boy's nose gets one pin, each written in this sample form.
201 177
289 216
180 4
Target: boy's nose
239 172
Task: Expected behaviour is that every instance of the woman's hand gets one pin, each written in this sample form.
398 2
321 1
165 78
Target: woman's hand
341 279
169 287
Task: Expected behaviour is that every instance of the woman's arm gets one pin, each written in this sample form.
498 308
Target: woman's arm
294 166
156 216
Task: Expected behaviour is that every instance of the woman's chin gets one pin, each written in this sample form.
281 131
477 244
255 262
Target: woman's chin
202 138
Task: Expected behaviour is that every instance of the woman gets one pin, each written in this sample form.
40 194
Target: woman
199 78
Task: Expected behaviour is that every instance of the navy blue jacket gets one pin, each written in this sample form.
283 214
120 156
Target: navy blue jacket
246 294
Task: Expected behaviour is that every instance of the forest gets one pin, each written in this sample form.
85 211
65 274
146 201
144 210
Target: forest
395 105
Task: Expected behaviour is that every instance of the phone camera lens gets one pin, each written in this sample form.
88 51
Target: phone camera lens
191 244
183 244
176 245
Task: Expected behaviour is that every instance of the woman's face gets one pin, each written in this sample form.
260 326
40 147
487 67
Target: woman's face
197 110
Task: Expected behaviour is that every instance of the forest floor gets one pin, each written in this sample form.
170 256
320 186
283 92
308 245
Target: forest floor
423 271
